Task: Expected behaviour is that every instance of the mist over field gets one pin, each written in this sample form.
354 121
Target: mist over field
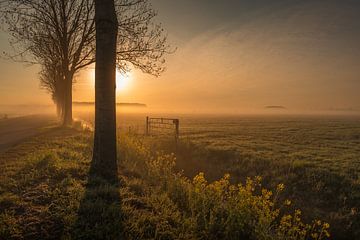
238 56
87 112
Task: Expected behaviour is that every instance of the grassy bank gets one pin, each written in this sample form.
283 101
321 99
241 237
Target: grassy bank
47 191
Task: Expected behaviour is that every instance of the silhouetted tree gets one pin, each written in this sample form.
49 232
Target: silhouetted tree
141 42
51 80
67 29
45 29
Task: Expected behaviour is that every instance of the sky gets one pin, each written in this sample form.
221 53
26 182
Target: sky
234 56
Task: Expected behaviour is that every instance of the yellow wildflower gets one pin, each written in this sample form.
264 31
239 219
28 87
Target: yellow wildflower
326 225
280 187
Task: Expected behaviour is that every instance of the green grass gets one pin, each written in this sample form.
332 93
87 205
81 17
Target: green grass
318 191
331 143
317 157
41 185
48 191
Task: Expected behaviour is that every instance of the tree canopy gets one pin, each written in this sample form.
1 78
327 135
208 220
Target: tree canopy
60 34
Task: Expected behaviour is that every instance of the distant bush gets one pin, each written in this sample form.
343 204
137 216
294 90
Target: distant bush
218 210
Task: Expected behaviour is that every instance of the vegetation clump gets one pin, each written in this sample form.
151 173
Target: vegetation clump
218 210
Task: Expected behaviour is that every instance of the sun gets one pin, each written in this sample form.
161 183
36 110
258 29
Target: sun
123 80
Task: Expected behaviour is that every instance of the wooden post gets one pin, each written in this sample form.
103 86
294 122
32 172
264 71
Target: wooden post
147 126
176 121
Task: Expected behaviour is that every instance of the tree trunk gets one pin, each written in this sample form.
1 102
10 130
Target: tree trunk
67 114
104 154
58 109
59 94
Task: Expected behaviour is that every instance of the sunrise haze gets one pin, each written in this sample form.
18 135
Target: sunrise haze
233 56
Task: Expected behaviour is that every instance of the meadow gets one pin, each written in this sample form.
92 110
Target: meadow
331 143
248 177
316 157
53 193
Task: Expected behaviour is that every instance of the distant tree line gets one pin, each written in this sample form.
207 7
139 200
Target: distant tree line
59 35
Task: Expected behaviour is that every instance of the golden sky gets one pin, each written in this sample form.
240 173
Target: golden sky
234 56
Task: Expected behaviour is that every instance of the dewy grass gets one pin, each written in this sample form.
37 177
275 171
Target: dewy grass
49 194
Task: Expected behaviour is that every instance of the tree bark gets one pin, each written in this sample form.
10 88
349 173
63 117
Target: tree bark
67 121
104 153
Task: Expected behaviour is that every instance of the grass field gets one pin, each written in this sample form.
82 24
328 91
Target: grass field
317 157
327 142
52 193
332 144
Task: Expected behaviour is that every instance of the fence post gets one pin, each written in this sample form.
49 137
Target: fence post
176 130
147 126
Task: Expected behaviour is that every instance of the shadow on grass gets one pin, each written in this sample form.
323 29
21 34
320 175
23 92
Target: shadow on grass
100 215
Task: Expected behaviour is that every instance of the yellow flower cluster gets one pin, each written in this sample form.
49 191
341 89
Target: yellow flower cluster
258 209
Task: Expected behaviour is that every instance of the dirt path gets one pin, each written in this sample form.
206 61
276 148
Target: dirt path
16 130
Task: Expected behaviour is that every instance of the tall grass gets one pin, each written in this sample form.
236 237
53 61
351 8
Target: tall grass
217 210
320 192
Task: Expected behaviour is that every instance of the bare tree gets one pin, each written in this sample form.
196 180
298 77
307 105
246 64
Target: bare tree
44 29
141 42
65 29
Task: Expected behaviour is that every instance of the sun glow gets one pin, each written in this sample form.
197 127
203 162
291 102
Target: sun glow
123 80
